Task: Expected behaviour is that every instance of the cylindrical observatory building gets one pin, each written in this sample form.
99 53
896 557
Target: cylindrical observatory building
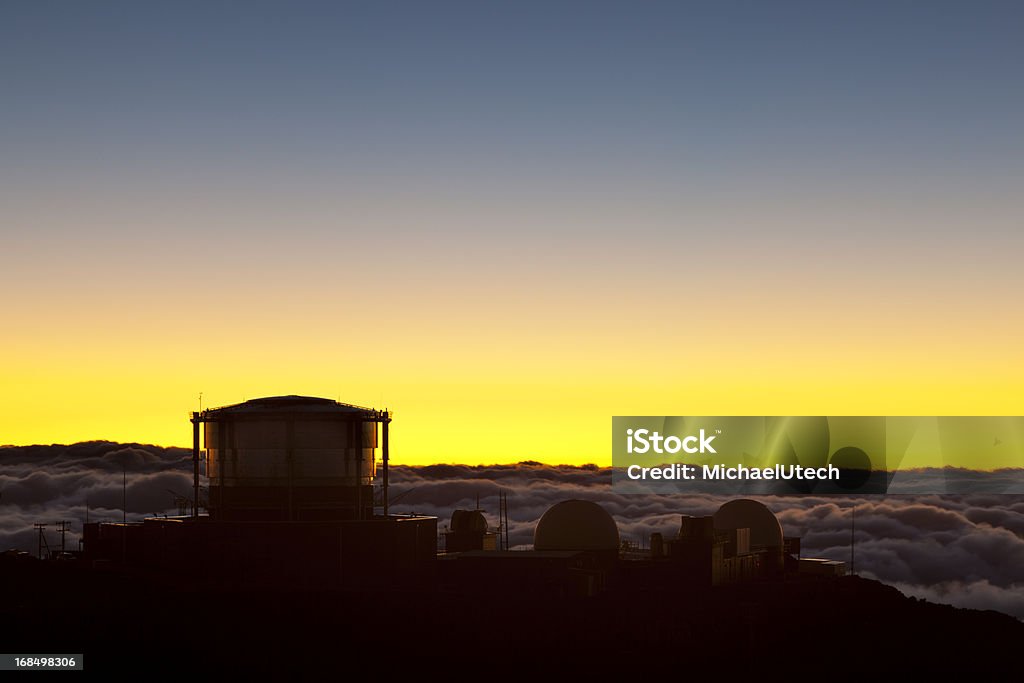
291 499
292 458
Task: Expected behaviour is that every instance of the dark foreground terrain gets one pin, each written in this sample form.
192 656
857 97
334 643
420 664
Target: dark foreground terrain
132 626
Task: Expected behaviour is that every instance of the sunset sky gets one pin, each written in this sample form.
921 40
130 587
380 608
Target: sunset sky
508 223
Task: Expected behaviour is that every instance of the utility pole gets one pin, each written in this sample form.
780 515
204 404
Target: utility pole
42 541
63 528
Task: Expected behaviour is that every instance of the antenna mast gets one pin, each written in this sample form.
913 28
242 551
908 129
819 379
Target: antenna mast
503 519
853 527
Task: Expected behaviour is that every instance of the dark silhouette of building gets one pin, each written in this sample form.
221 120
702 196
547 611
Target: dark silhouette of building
299 567
469 531
291 501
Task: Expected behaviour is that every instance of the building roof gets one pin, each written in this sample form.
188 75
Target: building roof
289 404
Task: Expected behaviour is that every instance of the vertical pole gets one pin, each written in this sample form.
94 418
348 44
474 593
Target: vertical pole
356 442
124 516
63 524
386 421
195 466
504 524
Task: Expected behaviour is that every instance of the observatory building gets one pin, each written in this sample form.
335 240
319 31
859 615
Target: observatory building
295 496
742 541
578 526
577 551
291 500
576 545
291 458
469 531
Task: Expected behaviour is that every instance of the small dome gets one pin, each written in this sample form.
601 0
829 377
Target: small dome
469 521
576 525
744 513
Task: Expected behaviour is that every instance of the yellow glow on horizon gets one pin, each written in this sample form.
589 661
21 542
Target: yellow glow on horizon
486 402
499 349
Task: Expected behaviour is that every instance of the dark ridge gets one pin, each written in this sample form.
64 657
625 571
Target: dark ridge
130 624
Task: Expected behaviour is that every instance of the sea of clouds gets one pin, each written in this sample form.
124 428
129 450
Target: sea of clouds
963 549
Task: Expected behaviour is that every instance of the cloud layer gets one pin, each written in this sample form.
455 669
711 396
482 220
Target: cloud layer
966 550
45 484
